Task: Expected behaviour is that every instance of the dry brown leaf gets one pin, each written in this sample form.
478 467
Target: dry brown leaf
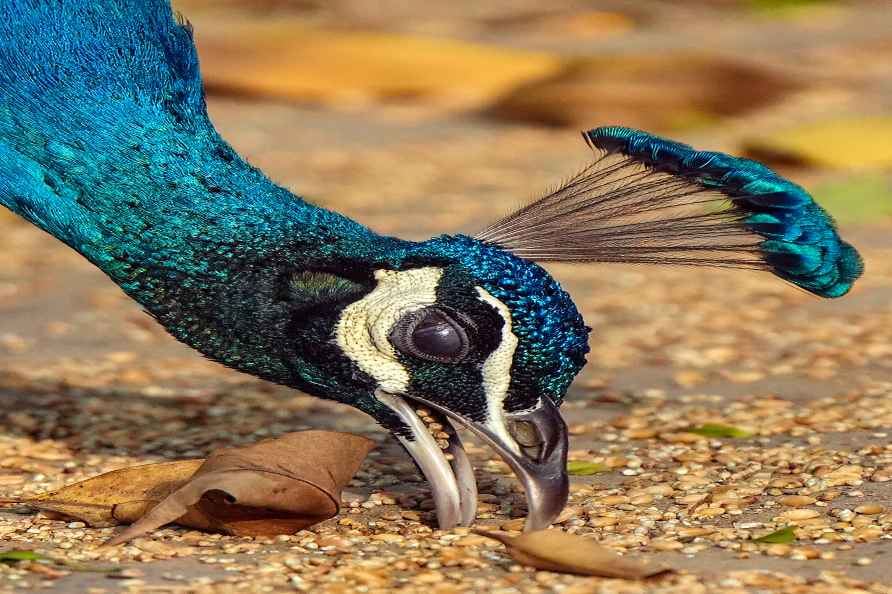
658 92
278 486
554 550
116 497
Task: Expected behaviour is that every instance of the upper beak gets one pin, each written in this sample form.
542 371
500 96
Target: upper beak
542 470
544 478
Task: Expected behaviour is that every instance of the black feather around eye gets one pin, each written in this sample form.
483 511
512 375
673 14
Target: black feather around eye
431 334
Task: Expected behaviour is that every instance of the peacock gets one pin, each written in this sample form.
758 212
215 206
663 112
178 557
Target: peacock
105 144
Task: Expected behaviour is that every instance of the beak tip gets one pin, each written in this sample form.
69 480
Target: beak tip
546 483
546 501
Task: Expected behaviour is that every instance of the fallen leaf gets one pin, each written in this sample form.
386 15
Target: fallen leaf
11 557
588 23
116 497
278 486
843 143
782 536
272 487
583 468
719 430
789 8
658 92
554 550
16 556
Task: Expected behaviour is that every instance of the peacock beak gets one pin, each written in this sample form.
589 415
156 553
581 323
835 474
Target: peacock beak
533 444
542 468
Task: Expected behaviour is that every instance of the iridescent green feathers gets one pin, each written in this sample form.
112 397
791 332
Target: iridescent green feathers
105 143
309 289
650 200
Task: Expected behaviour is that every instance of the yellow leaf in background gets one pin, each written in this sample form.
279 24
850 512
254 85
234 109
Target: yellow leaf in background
591 23
845 143
555 550
862 198
796 9
286 58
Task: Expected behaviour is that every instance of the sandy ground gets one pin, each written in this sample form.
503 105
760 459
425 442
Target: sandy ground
89 383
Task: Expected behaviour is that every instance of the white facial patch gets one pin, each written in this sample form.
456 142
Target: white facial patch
497 373
362 332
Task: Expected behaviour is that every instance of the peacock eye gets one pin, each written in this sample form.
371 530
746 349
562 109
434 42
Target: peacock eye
430 334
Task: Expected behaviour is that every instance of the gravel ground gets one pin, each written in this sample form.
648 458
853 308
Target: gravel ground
88 384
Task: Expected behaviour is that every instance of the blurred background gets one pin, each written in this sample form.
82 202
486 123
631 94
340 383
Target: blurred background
805 85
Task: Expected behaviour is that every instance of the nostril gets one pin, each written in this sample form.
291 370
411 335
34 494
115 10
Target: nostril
527 436
525 433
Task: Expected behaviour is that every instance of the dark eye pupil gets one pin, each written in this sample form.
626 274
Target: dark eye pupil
431 334
435 336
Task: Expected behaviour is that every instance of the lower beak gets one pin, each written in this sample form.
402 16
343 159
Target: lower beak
441 458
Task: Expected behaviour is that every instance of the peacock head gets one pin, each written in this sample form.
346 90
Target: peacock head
470 332
464 334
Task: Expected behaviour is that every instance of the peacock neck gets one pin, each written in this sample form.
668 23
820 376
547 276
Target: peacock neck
203 240
178 206
105 143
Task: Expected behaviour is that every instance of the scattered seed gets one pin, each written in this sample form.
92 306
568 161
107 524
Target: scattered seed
796 500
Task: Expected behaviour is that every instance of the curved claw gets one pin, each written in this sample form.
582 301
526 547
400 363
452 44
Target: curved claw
464 477
432 463
544 477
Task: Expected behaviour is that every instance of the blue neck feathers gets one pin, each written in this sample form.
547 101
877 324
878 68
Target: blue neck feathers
116 157
106 144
